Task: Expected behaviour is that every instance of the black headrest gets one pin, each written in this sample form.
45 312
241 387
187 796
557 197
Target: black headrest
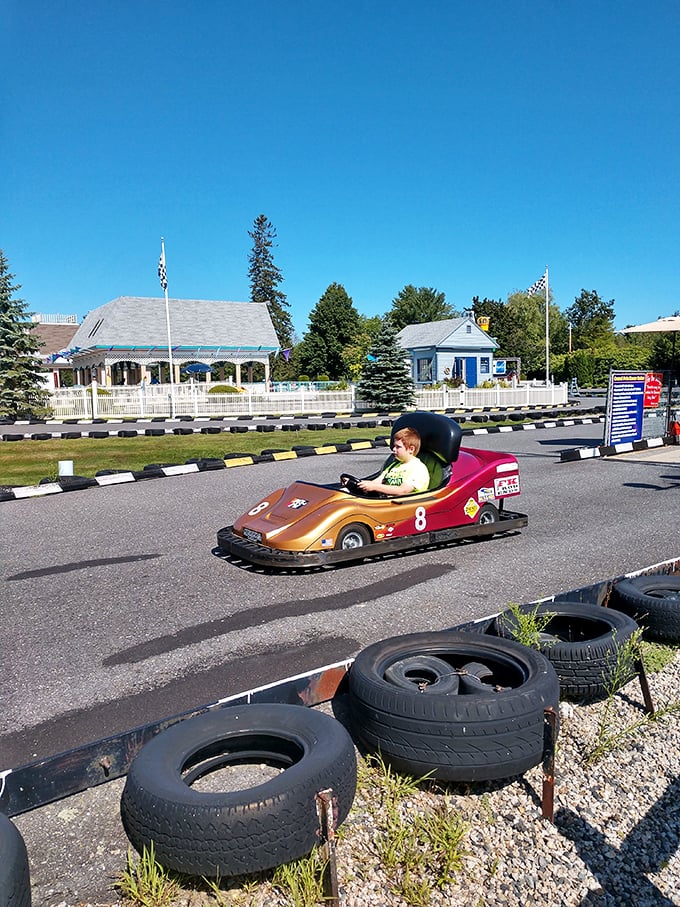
438 433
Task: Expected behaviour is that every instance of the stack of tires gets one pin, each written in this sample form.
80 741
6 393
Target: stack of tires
454 706
581 641
653 601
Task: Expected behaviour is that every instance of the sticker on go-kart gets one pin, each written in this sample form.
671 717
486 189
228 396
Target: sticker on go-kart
506 485
471 508
484 495
296 503
421 519
383 531
259 508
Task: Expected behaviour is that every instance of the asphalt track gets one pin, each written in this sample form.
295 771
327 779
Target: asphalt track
116 611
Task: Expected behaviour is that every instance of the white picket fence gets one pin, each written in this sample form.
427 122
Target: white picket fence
193 400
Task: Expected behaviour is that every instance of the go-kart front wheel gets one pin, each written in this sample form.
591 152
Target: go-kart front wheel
355 535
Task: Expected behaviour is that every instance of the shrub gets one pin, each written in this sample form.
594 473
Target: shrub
226 389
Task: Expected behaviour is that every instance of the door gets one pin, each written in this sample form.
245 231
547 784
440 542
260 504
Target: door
471 371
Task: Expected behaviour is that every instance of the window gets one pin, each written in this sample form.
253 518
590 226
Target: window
468 328
484 365
424 367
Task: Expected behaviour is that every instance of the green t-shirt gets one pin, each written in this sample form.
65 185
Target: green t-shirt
412 473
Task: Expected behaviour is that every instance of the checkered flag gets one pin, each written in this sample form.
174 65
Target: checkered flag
162 276
538 287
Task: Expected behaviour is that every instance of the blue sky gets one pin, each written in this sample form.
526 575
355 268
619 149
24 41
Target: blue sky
456 145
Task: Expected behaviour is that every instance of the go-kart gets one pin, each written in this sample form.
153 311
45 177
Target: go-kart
306 524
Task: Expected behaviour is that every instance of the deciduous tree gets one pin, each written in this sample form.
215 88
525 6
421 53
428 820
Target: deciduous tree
418 306
592 321
333 325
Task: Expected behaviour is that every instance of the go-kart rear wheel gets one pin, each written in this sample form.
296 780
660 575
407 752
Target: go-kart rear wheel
356 535
488 514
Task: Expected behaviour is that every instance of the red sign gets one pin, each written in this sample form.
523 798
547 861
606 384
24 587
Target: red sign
653 385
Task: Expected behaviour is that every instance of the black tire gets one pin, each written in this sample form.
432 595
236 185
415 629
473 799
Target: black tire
356 535
243 831
477 735
424 672
488 513
15 882
581 641
653 601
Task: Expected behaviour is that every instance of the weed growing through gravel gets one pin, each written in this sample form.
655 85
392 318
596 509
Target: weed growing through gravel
302 880
418 851
657 656
610 735
527 626
146 882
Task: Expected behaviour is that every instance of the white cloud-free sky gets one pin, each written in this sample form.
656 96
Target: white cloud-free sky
462 146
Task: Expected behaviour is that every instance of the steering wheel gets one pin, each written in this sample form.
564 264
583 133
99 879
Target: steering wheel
351 483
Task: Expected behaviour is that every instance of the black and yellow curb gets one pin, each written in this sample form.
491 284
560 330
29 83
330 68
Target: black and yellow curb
108 477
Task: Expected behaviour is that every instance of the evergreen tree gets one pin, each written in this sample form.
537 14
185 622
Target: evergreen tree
265 278
22 389
418 306
333 324
386 379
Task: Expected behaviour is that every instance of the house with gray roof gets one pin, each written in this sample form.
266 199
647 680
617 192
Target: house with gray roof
453 348
123 341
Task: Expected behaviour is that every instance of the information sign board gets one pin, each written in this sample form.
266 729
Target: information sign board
624 412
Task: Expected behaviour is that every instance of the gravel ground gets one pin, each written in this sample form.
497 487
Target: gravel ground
615 840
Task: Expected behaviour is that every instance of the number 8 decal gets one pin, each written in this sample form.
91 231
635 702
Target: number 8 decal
258 508
421 522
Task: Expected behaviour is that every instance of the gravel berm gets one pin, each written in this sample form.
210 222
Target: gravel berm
615 841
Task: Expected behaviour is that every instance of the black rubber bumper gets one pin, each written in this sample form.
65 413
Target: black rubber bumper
262 556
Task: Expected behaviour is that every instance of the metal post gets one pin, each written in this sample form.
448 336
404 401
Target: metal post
324 810
550 740
95 400
639 666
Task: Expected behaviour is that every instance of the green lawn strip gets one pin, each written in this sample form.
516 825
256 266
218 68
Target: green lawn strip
27 462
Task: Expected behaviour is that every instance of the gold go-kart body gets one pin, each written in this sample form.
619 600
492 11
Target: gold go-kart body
306 524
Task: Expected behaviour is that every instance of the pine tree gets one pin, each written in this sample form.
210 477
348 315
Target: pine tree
22 389
386 379
265 278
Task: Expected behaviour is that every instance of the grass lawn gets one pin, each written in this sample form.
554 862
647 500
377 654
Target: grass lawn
27 462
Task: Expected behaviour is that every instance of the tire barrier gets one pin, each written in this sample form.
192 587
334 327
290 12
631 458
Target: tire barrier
653 601
239 831
581 641
15 883
490 727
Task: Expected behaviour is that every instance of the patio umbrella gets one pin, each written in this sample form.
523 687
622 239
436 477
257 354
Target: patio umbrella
197 368
668 324
661 325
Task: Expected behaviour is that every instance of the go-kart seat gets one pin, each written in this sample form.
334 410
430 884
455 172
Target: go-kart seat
439 471
439 442
439 446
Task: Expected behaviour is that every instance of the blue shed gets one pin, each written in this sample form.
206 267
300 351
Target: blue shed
453 348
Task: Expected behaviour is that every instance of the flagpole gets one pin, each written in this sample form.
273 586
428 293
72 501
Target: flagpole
164 283
547 331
